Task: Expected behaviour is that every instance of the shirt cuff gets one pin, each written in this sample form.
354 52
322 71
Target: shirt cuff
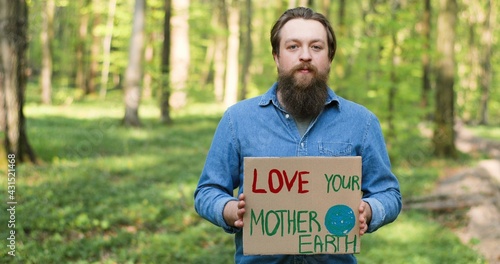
378 214
220 217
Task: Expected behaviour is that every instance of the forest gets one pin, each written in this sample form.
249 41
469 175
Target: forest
107 110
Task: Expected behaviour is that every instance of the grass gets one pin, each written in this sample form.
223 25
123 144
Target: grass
108 194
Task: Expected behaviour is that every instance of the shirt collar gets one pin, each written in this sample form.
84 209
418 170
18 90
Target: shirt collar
271 97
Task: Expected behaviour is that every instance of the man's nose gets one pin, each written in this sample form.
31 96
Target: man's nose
305 55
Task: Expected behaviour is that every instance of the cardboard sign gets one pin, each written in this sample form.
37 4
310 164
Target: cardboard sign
302 205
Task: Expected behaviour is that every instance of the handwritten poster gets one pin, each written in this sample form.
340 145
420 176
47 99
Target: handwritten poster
302 205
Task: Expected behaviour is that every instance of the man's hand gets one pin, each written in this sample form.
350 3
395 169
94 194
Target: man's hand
234 211
365 216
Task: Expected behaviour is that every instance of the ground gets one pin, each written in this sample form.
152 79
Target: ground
468 200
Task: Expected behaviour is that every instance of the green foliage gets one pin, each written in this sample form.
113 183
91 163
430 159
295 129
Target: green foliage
489 132
414 238
109 194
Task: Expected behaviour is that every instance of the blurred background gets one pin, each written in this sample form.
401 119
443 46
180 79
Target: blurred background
109 108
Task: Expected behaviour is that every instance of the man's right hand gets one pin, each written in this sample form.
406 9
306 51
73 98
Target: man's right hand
234 211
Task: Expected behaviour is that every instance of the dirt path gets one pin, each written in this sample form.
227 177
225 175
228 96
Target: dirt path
483 181
469 200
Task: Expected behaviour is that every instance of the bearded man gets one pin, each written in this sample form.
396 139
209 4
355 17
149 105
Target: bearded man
298 116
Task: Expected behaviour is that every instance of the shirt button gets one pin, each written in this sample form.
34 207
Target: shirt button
302 144
287 116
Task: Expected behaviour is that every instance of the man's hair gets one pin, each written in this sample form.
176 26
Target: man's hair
304 13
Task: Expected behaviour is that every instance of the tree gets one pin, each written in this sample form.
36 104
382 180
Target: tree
444 133
247 43
165 66
325 7
233 47
180 54
46 36
94 48
426 62
485 72
83 22
13 44
106 47
220 51
395 63
133 72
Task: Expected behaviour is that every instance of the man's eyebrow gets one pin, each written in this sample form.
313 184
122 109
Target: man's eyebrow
298 40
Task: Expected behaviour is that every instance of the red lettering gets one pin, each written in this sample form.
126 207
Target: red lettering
276 179
280 180
254 183
289 184
302 182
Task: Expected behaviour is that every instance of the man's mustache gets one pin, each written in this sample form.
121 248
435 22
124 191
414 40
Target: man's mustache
305 66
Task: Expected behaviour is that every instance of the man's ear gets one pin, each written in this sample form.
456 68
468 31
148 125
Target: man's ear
276 59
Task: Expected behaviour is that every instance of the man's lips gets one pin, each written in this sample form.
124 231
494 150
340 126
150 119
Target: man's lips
305 68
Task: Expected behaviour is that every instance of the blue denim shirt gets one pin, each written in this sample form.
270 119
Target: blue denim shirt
260 127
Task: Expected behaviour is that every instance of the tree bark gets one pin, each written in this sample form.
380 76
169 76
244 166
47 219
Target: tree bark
80 80
46 37
444 133
133 72
94 49
106 49
426 61
394 80
247 42
13 45
233 47
165 66
485 61
325 7
220 50
180 53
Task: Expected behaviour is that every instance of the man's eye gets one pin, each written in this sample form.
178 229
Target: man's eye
293 47
316 47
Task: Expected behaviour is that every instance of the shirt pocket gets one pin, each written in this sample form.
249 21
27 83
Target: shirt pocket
335 149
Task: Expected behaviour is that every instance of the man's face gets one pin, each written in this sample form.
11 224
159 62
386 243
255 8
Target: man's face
303 67
303 50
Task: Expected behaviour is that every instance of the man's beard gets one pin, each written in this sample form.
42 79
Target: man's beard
303 99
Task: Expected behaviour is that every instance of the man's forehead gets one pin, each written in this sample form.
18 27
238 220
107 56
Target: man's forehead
300 28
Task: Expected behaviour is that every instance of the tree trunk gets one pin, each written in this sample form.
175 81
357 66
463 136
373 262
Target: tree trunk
106 49
485 61
80 80
342 10
94 49
444 133
165 66
394 80
233 47
325 7
247 57
180 53
341 67
134 69
371 31
426 62
46 37
13 44
220 51
470 70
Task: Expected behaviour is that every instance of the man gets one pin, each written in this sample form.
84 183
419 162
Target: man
298 116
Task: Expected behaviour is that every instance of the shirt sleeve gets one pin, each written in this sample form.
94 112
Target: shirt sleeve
220 176
379 185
